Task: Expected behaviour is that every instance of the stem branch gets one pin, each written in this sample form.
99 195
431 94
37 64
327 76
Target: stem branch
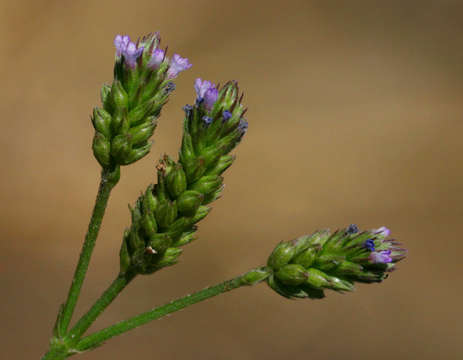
100 305
98 337
108 180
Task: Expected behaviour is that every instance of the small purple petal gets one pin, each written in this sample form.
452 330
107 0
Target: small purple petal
226 115
201 86
207 120
380 257
187 108
243 126
382 231
157 57
177 65
206 92
369 244
210 97
352 229
121 42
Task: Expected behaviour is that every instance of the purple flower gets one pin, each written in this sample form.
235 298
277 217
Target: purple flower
207 92
207 120
201 86
157 57
369 244
177 65
380 257
187 108
243 126
210 97
226 115
131 54
127 49
121 42
382 231
352 229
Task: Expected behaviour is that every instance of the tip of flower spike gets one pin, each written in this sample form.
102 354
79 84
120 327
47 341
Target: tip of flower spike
243 126
128 50
334 261
206 93
352 229
382 231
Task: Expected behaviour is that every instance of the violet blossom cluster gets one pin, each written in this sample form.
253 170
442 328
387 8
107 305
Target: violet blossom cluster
131 52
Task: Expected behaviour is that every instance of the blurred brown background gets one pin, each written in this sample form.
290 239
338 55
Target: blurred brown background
355 111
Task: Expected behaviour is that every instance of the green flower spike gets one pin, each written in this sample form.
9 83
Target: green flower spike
131 105
305 267
164 217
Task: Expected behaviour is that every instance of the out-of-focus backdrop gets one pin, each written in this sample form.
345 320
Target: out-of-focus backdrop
355 116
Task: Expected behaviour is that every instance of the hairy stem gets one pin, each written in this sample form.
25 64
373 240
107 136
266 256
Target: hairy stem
98 337
108 180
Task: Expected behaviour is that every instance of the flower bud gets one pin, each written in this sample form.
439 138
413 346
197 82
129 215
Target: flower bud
120 147
119 97
317 278
207 184
292 274
105 92
101 149
194 169
166 213
176 181
189 202
160 242
281 256
101 120
141 133
149 223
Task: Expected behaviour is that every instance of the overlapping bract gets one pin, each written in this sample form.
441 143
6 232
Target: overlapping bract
131 105
164 217
310 264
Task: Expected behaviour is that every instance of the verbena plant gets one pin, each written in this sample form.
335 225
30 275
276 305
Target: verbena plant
165 216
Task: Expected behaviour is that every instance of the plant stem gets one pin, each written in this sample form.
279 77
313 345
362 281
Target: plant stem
100 305
108 180
98 337
56 353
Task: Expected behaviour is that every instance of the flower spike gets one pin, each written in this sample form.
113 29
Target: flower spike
305 267
132 104
164 218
